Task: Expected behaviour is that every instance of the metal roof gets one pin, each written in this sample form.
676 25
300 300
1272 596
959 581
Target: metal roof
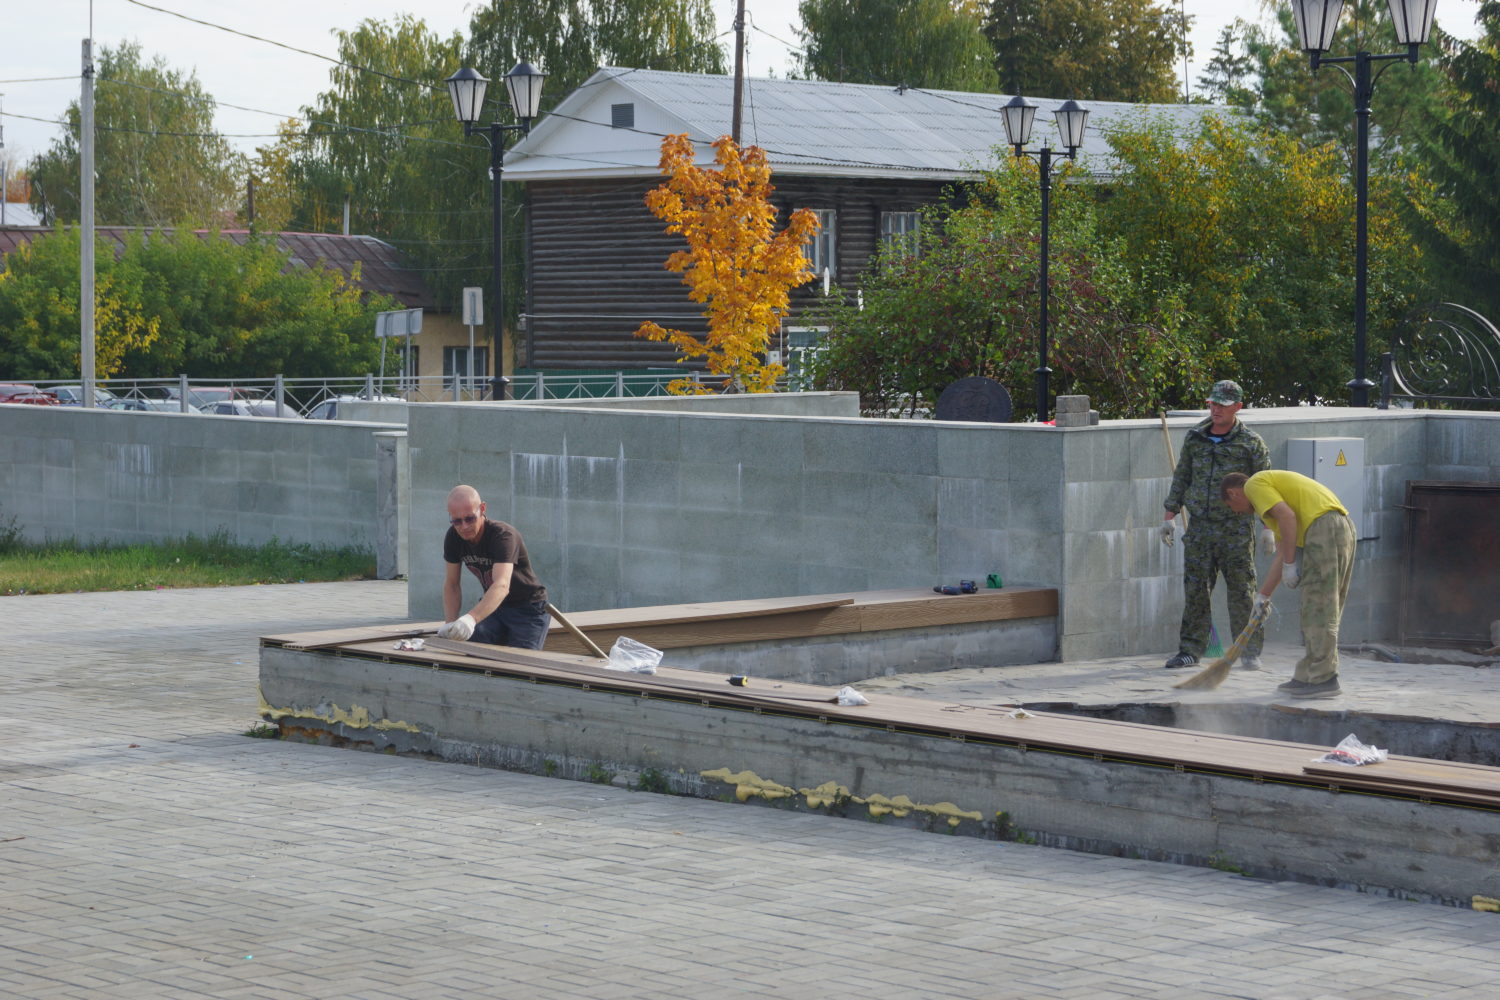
805 126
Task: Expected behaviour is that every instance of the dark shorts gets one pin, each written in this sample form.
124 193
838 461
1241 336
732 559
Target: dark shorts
520 625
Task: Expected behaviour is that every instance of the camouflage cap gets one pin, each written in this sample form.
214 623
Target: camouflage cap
1226 393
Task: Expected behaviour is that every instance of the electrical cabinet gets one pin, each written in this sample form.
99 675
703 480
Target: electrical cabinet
1337 463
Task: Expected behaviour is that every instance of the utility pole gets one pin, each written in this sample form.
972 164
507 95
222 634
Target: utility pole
86 225
739 69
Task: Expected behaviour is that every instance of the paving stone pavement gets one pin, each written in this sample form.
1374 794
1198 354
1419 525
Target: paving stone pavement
149 850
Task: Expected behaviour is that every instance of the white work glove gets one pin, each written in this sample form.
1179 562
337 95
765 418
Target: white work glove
1267 542
1290 576
1168 529
460 628
1261 600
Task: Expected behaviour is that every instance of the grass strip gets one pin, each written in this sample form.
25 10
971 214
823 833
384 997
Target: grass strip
216 561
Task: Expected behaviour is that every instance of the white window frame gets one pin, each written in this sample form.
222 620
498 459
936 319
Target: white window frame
902 228
822 250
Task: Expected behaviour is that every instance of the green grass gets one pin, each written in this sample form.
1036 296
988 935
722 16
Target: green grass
67 567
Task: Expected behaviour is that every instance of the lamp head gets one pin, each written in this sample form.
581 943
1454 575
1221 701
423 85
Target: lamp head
1018 115
525 85
1412 20
1071 117
1317 20
467 88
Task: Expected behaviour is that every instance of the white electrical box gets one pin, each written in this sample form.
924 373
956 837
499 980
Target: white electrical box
1339 464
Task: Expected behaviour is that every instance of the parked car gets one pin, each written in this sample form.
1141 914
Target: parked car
328 409
72 395
204 396
142 405
24 392
251 408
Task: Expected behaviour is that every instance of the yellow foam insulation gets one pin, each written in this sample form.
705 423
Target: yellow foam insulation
748 785
355 716
1486 904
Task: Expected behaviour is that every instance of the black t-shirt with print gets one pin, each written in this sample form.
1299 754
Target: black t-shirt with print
498 543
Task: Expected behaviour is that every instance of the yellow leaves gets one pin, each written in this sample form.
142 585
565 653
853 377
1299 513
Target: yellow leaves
735 263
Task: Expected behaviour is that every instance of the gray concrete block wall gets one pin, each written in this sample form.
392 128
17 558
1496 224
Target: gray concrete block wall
124 477
624 508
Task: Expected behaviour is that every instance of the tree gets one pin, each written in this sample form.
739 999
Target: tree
183 302
736 263
1318 107
1254 231
158 160
39 299
1459 225
968 305
1224 76
933 44
1098 50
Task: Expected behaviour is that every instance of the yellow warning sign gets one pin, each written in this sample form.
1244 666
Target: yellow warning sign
1342 460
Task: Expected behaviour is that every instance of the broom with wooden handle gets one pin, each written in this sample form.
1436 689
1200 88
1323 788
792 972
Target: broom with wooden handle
1213 675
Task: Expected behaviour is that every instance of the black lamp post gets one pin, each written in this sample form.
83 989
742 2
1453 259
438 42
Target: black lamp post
467 88
1019 115
1316 22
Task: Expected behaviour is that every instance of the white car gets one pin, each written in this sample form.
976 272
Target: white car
328 409
252 408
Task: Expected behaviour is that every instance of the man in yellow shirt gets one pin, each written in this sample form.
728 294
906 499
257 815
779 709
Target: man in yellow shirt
1309 518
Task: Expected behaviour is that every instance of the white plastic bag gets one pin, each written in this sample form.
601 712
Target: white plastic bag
636 657
1352 752
849 696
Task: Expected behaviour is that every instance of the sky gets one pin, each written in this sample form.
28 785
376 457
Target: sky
42 39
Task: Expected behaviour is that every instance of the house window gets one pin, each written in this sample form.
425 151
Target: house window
456 364
898 231
819 250
622 116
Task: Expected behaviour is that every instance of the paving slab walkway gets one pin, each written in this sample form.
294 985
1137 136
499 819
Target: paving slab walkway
148 849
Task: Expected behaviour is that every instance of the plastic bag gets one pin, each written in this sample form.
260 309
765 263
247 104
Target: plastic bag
1352 752
849 696
636 657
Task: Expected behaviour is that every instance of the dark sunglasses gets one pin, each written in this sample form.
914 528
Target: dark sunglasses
467 519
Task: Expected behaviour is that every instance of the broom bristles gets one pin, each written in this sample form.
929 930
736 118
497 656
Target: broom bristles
1210 676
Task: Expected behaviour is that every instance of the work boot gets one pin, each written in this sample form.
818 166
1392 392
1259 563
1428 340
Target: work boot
1181 660
1249 662
1302 689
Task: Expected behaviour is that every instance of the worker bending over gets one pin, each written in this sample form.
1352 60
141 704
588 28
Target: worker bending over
512 610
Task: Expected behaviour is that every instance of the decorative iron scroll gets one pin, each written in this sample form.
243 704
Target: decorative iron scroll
1444 352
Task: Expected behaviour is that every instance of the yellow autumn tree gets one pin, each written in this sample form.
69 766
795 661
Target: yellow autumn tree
736 263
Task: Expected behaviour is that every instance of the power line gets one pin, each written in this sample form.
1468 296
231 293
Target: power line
283 45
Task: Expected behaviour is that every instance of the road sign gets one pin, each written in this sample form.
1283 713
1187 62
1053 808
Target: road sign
398 323
474 306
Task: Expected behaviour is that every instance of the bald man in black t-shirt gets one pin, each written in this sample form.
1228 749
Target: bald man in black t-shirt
512 610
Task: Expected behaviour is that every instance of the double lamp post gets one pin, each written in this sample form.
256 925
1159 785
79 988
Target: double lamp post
1019 115
467 88
1317 20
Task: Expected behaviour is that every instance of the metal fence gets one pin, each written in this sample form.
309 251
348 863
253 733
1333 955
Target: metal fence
295 397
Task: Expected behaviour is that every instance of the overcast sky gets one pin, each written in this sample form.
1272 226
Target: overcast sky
42 39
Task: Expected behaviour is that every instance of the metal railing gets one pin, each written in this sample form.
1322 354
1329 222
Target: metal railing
294 397
1444 353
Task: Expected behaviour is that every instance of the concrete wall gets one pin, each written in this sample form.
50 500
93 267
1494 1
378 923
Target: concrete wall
126 477
801 404
630 507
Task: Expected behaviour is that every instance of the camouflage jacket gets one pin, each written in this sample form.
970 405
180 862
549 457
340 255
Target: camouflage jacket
1204 462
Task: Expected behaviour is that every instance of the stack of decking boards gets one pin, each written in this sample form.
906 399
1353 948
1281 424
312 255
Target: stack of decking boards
1104 740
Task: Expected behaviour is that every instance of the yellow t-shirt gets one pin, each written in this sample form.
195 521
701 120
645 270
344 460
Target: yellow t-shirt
1308 498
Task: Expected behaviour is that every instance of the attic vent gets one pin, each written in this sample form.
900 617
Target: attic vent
622 116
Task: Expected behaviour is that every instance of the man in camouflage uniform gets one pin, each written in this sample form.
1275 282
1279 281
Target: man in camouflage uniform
1219 541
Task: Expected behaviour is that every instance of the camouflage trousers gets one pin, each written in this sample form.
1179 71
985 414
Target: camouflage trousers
1326 565
1209 550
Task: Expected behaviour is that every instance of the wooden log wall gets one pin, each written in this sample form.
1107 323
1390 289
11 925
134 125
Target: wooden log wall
597 261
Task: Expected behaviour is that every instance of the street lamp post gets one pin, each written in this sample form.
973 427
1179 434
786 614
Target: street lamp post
1019 115
467 88
1316 22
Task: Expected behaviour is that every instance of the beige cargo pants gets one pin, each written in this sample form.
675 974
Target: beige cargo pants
1327 564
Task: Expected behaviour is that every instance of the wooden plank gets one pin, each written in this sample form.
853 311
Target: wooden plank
1187 750
711 632
339 636
958 609
668 614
